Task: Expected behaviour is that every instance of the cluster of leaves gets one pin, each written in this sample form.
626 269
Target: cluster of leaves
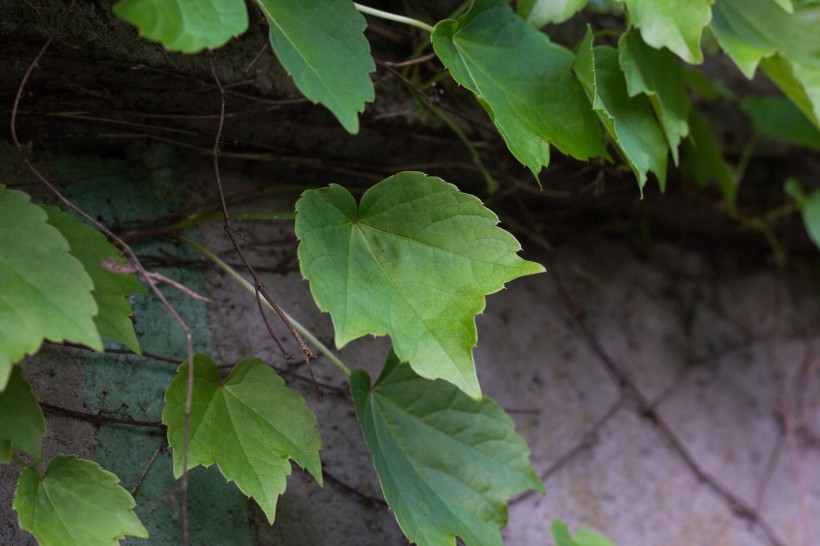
413 259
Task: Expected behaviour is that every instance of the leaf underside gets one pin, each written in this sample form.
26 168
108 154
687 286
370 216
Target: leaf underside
46 292
76 503
413 260
250 425
447 464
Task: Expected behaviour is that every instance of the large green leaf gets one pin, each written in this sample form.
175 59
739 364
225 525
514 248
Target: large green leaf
322 46
629 120
447 464
673 24
250 425
186 25
21 420
523 80
583 537
657 74
110 289
703 158
414 260
750 32
76 503
780 119
811 216
541 12
46 293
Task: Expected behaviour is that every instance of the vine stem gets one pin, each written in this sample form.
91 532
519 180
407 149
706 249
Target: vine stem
234 274
393 17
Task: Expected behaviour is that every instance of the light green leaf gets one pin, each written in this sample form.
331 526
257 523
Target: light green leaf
76 503
673 24
629 120
541 12
447 464
780 119
110 289
250 425
414 260
584 536
750 32
703 158
657 74
21 421
186 25
523 80
811 216
46 292
798 82
322 46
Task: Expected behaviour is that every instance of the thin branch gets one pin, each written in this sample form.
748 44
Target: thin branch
100 418
147 468
393 17
374 502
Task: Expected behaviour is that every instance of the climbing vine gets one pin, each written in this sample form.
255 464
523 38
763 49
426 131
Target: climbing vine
413 258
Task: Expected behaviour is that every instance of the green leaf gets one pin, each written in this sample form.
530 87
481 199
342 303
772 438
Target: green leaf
21 421
811 216
76 503
673 24
584 537
5 451
186 25
323 48
110 289
704 160
541 12
414 260
46 292
447 464
657 74
780 119
523 80
250 425
798 82
629 120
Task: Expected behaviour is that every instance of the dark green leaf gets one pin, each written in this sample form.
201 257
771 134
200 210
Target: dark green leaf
414 260
629 120
704 160
322 46
780 119
447 464
811 216
21 420
110 289
523 80
76 503
46 292
657 74
186 25
250 426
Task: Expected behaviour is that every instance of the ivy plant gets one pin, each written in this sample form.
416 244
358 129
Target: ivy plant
413 258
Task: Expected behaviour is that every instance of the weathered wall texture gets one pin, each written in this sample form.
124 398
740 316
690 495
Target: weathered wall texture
664 375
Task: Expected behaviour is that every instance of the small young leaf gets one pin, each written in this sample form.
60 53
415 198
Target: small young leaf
672 24
186 25
414 260
46 292
76 503
21 421
657 74
323 48
110 289
250 426
629 120
704 160
811 216
523 80
584 537
447 464
780 119
541 12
